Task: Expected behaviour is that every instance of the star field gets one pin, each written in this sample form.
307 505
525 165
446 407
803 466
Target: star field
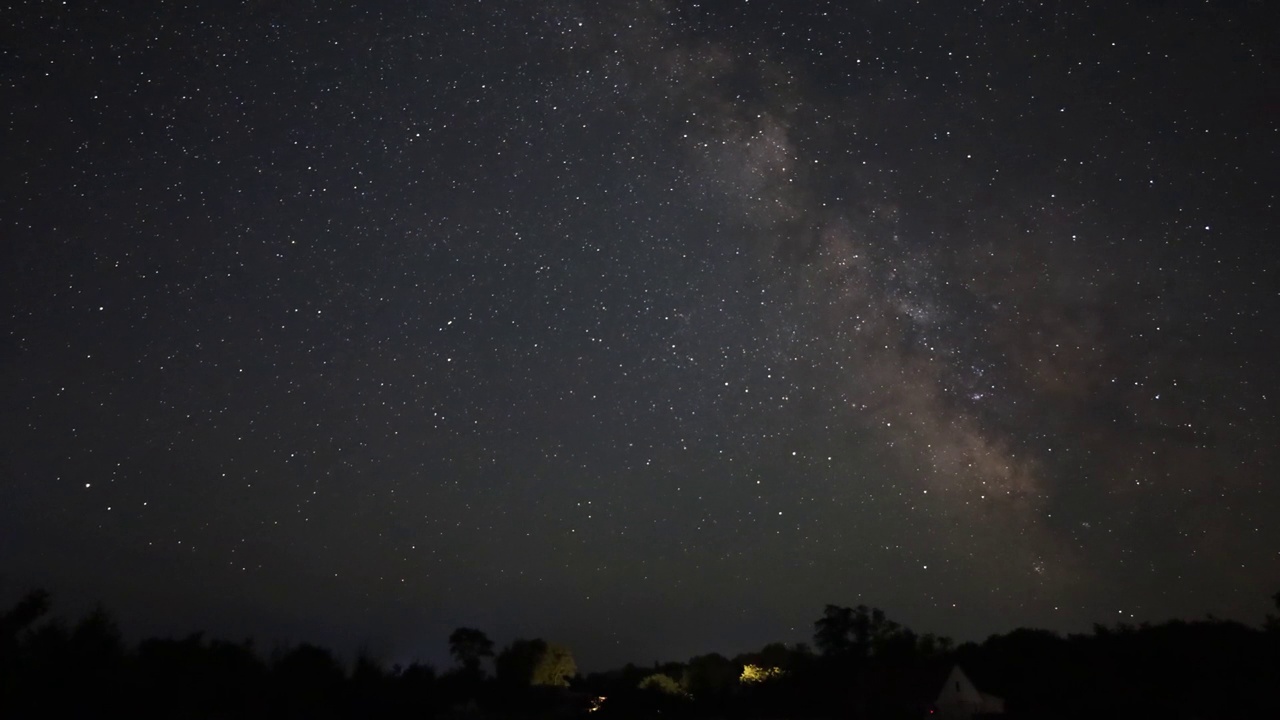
646 327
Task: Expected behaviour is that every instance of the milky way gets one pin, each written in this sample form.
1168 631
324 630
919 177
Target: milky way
647 328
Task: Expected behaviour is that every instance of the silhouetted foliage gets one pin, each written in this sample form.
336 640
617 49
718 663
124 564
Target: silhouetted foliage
663 683
860 632
469 646
33 606
1272 623
306 680
870 667
514 665
526 663
50 670
710 676
415 691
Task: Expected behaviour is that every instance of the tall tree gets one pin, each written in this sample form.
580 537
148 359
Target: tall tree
858 632
535 662
514 665
468 646
555 666
833 631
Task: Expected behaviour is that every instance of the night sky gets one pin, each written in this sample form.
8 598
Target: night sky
645 328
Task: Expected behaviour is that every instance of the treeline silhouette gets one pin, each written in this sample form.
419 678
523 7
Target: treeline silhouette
862 665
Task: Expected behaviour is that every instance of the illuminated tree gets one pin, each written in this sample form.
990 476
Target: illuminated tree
535 662
662 683
752 674
555 666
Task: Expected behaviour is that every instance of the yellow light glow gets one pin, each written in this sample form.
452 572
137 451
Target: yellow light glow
759 673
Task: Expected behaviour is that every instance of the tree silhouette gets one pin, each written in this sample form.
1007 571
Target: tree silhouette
859 632
870 667
774 655
414 691
707 676
308 680
468 646
662 683
95 658
555 666
33 606
535 662
833 632
514 665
